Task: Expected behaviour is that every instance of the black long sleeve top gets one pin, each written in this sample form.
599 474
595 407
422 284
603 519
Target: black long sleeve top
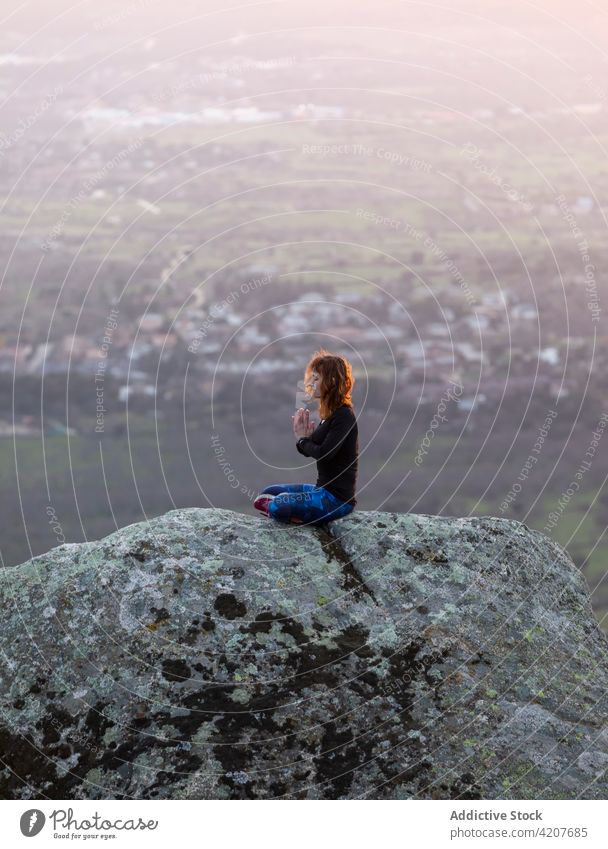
335 446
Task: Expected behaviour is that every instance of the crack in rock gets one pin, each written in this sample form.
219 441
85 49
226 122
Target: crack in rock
353 579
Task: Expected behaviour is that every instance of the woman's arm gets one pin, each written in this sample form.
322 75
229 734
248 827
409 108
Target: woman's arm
339 428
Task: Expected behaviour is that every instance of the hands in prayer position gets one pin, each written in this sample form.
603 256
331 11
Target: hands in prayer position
302 426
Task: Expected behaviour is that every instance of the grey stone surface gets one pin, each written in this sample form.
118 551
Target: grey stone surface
208 654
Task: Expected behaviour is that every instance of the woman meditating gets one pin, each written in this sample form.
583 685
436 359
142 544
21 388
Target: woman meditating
334 444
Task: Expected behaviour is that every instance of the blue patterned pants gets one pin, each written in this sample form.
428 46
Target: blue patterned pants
305 503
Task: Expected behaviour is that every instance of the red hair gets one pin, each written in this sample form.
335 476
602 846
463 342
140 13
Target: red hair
337 380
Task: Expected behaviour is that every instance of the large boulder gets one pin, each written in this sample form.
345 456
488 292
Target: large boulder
208 654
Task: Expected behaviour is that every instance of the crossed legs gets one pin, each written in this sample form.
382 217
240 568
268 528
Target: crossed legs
304 503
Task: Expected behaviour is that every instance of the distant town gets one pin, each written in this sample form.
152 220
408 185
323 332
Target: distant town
142 355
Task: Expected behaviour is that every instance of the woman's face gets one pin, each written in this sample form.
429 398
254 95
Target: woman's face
316 381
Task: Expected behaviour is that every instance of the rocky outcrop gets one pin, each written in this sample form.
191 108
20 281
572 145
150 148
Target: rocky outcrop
208 654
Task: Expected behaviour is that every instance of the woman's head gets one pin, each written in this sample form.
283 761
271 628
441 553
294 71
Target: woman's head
333 375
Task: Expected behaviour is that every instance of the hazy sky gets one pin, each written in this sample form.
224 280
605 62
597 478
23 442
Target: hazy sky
206 19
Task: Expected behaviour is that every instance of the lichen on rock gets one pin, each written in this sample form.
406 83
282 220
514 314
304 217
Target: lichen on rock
210 655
